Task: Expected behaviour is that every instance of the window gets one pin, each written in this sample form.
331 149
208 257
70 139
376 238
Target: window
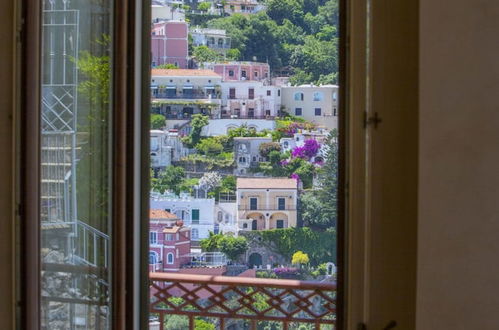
195 216
279 224
153 258
318 111
334 112
269 92
318 96
255 74
231 73
278 92
281 203
170 258
220 216
251 93
298 111
194 233
298 96
253 203
153 237
232 93
169 237
242 159
243 73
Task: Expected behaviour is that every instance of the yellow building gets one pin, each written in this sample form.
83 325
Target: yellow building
266 203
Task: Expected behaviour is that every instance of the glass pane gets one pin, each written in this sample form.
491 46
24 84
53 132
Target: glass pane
257 158
75 175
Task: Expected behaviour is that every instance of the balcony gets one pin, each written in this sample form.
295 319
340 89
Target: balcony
235 116
274 207
242 302
185 96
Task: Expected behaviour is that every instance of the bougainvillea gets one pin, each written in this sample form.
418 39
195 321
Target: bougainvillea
309 150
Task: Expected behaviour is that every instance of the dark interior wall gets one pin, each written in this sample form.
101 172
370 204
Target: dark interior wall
458 267
7 96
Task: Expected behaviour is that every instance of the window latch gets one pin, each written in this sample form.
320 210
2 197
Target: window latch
372 120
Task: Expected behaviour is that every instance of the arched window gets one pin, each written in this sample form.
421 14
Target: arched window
169 258
318 96
299 96
153 257
211 41
195 233
220 43
220 216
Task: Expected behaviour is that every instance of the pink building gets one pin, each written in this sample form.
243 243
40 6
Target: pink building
169 242
240 71
169 44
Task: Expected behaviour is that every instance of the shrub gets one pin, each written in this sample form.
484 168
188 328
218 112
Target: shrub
157 121
267 147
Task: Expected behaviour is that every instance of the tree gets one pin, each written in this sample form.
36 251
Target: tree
205 54
209 146
266 148
204 6
279 10
233 54
169 179
300 258
157 121
198 121
233 247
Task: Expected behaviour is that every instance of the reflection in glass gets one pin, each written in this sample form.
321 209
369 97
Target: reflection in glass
74 165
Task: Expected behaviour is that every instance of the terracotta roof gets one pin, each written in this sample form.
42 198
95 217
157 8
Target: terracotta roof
161 214
266 183
184 73
172 230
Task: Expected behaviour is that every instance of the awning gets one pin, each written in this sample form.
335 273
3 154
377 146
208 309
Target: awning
171 87
188 87
209 87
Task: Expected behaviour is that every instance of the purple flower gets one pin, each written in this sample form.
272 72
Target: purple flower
295 176
309 150
284 162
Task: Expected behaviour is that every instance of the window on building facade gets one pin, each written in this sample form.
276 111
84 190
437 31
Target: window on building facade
243 73
195 216
232 93
153 237
170 258
251 93
318 111
281 203
231 73
195 233
318 96
169 237
279 224
269 93
153 258
298 111
253 203
298 96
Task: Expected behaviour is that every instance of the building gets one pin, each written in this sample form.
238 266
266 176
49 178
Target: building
222 126
240 70
298 140
244 7
161 152
196 213
169 242
226 216
267 203
250 100
161 11
247 153
215 39
170 44
317 104
179 93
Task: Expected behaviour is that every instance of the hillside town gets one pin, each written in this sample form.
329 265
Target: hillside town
243 155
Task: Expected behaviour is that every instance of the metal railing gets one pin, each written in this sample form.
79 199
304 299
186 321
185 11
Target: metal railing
235 116
273 207
242 302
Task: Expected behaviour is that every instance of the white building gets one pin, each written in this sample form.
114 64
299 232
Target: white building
226 218
162 11
250 100
222 126
247 152
161 152
317 104
197 213
298 140
215 39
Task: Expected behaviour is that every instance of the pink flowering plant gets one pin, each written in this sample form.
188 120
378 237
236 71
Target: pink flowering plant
309 150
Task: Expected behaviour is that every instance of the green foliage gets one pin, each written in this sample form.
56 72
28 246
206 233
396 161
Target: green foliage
198 121
320 246
209 146
233 54
244 131
177 322
279 10
169 179
266 148
166 66
233 247
187 185
157 121
204 6
205 54
200 324
228 185
222 160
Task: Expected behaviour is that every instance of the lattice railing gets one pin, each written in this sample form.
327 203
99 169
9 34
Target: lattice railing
241 302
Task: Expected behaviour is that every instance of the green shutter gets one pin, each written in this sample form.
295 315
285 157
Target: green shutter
195 215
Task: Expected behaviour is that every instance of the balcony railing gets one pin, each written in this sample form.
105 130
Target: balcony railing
234 116
240 303
193 96
276 207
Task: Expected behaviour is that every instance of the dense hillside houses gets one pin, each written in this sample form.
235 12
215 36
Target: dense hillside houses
243 143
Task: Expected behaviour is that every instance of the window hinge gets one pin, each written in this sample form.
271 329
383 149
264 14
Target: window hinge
371 120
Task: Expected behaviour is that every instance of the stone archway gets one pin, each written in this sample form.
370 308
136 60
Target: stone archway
278 220
258 220
255 259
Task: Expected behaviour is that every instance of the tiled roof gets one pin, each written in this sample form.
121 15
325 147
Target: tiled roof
172 230
161 214
266 183
184 73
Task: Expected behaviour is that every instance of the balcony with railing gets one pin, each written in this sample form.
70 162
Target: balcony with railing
241 302
270 207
